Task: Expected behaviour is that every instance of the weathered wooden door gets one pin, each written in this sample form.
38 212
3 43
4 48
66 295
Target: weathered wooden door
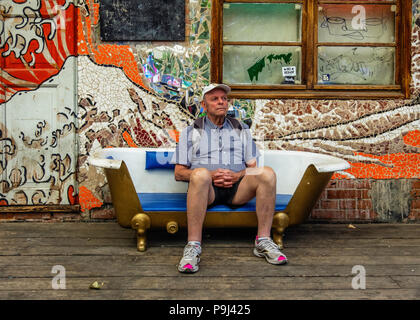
38 102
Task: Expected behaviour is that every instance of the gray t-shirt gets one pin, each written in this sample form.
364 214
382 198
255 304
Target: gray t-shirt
215 147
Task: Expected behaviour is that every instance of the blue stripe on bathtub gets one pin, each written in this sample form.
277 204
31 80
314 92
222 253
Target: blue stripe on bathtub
178 202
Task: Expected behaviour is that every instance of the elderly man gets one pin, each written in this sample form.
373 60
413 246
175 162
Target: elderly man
213 155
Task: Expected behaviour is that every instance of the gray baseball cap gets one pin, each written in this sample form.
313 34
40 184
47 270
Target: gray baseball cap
213 86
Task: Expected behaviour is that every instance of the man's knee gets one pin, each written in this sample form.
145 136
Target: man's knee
200 176
268 176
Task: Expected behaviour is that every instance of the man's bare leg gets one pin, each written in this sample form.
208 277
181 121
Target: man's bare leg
200 194
263 187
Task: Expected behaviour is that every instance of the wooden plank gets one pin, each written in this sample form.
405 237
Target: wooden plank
110 264
216 47
227 259
113 230
29 246
265 1
40 249
356 87
40 209
258 43
321 261
61 246
380 2
406 28
63 229
309 36
399 39
221 243
209 283
357 44
407 282
375 227
267 87
129 246
168 268
394 294
315 94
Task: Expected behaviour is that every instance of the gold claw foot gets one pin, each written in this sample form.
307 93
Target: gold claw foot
280 223
141 222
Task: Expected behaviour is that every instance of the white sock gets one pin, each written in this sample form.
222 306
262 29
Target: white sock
194 243
257 240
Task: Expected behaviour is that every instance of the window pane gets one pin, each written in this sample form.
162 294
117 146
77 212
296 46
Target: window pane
277 22
356 23
356 65
261 65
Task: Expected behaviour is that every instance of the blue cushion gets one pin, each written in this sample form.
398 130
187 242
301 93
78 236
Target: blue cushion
159 160
178 202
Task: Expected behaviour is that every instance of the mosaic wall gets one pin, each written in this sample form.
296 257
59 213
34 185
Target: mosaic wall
153 87
380 138
37 95
128 92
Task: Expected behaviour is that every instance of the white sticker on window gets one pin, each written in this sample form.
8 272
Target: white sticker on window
326 77
289 71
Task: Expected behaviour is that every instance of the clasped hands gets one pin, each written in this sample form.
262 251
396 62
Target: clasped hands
225 178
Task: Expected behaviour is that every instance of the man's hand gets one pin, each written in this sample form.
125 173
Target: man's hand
224 178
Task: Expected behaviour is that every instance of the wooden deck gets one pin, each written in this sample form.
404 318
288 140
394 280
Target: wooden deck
321 258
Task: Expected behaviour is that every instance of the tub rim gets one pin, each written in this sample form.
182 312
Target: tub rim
326 163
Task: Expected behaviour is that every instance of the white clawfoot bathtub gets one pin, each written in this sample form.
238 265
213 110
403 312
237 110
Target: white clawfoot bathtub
146 195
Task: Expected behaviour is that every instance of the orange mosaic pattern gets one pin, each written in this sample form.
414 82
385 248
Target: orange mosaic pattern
398 165
116 55
127 138
337 175
87 199
413 138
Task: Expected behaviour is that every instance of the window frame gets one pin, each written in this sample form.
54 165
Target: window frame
309 88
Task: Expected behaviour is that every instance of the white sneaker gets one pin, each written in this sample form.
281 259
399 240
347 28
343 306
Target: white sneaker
191 258
265 247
